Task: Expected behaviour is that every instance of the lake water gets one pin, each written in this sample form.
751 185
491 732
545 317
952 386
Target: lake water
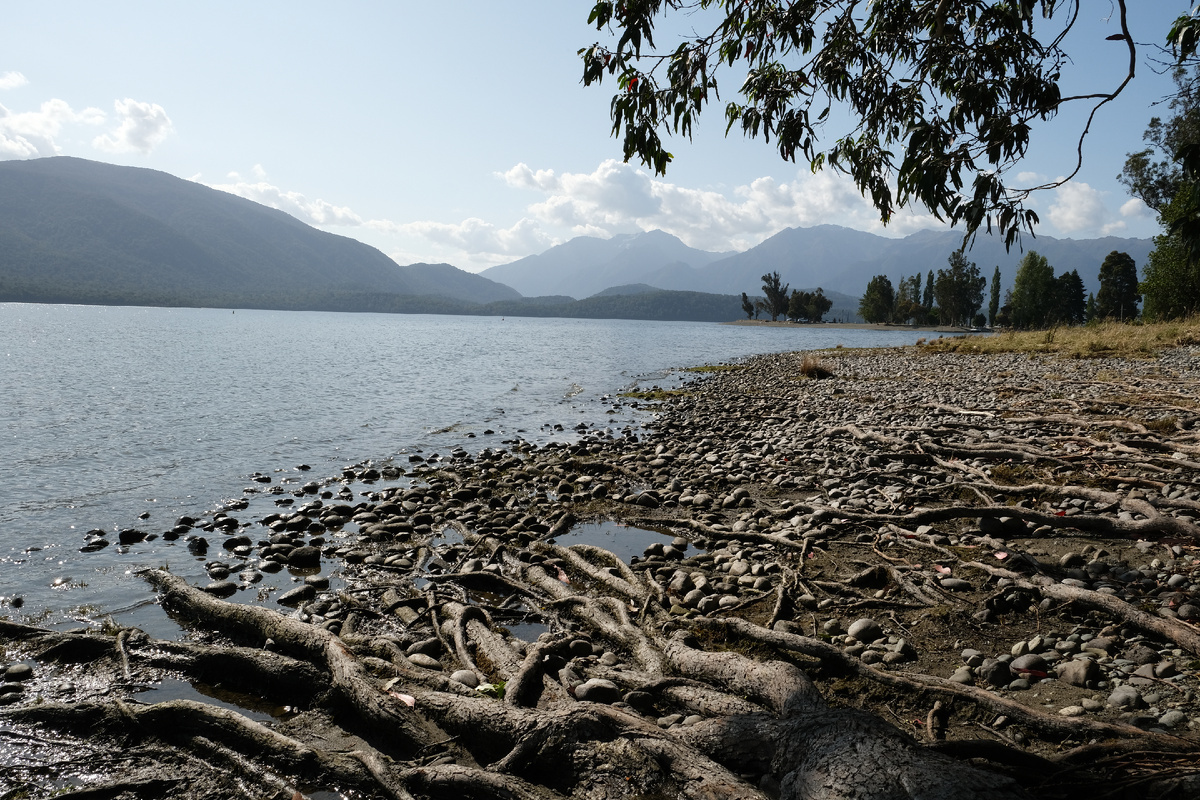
115 417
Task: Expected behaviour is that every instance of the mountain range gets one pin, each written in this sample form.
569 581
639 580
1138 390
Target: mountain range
73 230
837 259
81 231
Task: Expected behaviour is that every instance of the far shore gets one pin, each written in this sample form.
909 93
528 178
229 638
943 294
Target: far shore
862 326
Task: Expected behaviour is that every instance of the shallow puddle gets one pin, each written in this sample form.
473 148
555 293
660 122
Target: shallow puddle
527 631
623 541
175 689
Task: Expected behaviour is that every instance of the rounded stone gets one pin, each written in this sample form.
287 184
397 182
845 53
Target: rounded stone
1189 611
304 557
422 660
466 677
1125 696
963 675
294 597
995 673
1030 664
18 672
598 690
222 588
1172 719
1072 711
865 630
1078 672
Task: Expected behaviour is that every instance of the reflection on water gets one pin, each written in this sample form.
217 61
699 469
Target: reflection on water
624 541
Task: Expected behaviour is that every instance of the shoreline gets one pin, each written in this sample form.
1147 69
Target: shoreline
862 326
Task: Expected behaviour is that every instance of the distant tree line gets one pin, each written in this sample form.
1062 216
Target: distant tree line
798 306
1037 299
952 297
658 305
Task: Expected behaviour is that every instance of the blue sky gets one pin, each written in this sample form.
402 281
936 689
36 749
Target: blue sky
459 131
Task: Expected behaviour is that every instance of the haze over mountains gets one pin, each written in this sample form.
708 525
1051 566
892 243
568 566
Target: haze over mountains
834 258
81 231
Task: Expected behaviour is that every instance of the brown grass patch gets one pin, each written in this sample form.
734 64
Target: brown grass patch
1099 340
813 367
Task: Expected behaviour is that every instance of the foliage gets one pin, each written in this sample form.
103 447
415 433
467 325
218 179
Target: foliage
1155 174
940 98
1170 280
777 295
878 300
994 300
927 299
1118 296
1040 300
908 301
1031 300
747 306
1170 181
808 306
1070 303
1165 177
959 290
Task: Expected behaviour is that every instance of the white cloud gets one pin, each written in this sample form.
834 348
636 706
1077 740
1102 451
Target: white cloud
12 80
32 134
480 241
142 126
618 198
314 212
1078 207
1135 208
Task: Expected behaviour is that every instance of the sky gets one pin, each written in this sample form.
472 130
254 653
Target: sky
460 132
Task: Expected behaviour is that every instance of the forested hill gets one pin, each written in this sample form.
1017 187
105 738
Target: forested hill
73 230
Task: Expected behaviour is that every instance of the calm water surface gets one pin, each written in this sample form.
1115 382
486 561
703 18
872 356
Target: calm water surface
113 417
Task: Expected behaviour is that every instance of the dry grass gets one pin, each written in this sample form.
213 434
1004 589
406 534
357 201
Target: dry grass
1115 339
812 367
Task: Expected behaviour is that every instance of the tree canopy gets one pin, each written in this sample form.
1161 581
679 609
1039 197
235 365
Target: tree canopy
941 97
777 295
1171 278
1031 300
1165 176
959 290
806 306
878 300
1118 297
994 298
